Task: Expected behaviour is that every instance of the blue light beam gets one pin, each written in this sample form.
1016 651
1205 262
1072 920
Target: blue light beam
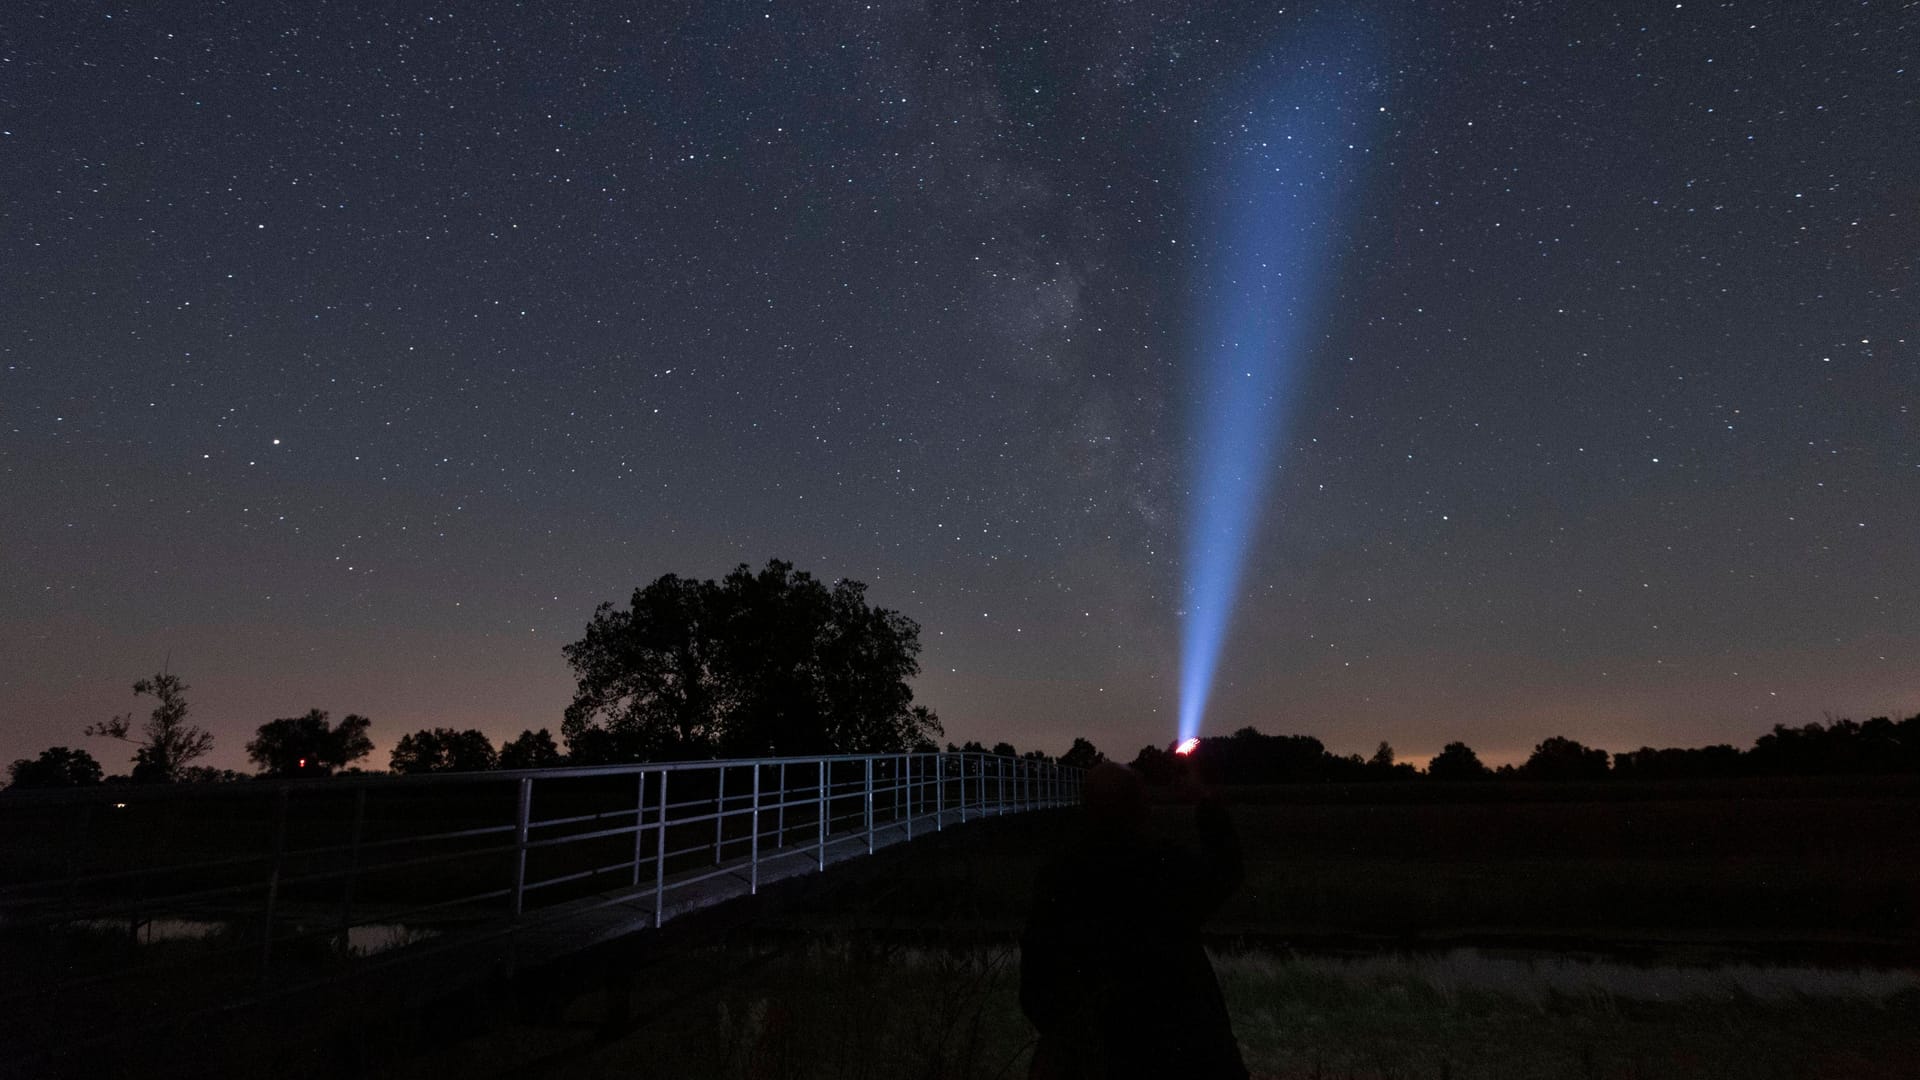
1275 184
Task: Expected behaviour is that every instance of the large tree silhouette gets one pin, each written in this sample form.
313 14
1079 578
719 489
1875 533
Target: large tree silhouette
308 745
57 766
767 662
1457 761
530 750
432 750
166 744
1561 758
1082 755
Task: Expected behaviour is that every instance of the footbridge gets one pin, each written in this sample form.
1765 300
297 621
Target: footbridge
194 900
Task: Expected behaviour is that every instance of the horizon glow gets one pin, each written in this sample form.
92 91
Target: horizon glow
1276 185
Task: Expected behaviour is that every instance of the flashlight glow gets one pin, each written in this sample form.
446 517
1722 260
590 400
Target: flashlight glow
1277 182
1187 746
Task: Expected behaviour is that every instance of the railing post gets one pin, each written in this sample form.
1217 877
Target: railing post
520 846
273 878
660 855
780 812
983 785
639 825
869 805
753 850
939 791
906 763
719 816
823 813
353 856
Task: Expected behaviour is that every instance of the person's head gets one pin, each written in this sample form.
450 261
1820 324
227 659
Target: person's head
1115 798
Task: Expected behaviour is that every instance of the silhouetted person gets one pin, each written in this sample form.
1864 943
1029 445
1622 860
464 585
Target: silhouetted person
1112 971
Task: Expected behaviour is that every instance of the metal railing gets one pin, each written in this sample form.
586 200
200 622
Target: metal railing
288 878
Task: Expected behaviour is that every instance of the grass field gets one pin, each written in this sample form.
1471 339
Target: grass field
1797 869
1744 930
848 1010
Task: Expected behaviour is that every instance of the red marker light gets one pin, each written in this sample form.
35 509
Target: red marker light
303 763
1187 746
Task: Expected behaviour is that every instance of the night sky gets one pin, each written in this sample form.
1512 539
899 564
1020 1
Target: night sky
349 356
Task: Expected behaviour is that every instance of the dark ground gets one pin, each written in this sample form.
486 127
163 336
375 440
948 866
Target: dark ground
1790 869
1341 956
1741 929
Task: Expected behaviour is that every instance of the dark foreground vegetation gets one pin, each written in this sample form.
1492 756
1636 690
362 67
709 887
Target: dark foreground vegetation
1752 928
856 1008
1809 868
1340 956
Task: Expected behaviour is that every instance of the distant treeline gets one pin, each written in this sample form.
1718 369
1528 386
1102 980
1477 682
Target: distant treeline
166 746
1880 745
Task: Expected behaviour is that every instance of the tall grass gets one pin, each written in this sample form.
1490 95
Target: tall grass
1467 1013
856 1009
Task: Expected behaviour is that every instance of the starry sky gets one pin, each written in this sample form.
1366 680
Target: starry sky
351 353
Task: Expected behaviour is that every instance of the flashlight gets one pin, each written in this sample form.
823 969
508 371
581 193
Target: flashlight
1187 746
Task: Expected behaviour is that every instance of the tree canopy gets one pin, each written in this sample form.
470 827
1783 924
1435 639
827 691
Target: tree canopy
1082 755
433 750
1841 746
757 663
57 766
308 746
166 744
1457 761
1561 758
530 750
